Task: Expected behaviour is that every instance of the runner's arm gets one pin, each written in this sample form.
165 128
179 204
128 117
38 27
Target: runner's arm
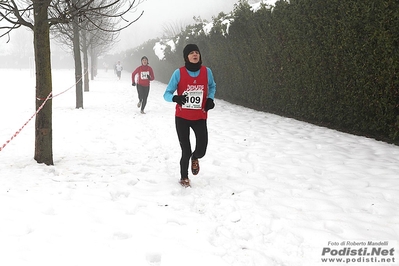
172 86
211 85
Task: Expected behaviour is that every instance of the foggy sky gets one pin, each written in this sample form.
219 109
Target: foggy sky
158 13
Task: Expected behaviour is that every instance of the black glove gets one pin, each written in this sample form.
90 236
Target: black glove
148 77
179 99
134 84
209 104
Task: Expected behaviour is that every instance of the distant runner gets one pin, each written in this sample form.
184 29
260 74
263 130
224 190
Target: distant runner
118 69
145 75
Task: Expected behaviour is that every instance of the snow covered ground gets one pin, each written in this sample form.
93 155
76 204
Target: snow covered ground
271 191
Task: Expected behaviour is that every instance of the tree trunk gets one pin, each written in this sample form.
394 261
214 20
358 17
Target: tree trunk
85 60
93 58
43 124
78 64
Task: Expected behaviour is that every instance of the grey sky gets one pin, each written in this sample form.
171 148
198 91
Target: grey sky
157 13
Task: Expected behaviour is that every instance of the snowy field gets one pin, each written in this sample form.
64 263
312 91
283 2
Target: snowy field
272 191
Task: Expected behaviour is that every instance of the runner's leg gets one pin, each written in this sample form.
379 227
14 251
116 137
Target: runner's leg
201 138
183 134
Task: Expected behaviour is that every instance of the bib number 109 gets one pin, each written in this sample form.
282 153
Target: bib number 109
194 99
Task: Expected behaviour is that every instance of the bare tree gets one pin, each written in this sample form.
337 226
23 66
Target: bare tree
99 45
97 34
171 30
40 16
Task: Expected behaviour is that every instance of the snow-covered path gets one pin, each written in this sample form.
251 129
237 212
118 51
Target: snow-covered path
271 191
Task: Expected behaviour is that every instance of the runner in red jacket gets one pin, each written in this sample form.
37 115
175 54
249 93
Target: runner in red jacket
141 77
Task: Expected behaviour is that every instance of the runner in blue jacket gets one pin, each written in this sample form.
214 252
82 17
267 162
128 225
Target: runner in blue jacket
195 89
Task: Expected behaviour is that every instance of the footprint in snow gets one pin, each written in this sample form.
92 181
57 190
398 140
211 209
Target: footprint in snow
154 258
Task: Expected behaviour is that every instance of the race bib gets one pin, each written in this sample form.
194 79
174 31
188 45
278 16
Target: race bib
144 74
194 99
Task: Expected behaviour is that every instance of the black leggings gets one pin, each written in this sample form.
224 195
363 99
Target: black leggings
143 92
183 133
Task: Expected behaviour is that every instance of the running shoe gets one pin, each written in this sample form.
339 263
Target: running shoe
195 166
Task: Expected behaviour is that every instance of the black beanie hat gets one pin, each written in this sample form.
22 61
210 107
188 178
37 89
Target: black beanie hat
188 49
